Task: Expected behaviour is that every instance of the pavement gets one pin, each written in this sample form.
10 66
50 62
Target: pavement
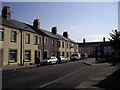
108 79
8 68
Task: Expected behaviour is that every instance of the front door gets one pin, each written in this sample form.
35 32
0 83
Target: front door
35 57
45 55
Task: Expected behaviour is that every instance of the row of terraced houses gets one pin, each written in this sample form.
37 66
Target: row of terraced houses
21 43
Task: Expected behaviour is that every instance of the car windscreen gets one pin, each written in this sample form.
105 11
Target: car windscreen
75 55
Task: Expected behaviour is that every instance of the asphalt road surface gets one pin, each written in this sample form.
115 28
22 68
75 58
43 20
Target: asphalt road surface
66 75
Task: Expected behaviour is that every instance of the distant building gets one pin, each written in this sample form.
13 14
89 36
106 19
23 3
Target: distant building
95 48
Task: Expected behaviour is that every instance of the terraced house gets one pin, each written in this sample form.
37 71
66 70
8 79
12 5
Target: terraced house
21 43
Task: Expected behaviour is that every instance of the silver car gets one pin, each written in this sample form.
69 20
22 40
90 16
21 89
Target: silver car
52 60
63 59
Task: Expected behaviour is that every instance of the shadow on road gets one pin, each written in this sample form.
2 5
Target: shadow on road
112 82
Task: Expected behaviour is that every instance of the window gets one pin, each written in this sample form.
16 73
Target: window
53 42
62 44
13 56
58 43
40 40
27 55
13 36
53 53
1 35
45 41
27 38
35 40
67 45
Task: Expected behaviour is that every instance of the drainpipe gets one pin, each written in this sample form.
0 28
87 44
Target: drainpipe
22 47
43 47
21 51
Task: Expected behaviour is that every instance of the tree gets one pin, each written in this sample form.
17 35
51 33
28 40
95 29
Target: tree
115 42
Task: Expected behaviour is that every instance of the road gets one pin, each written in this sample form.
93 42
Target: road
67 75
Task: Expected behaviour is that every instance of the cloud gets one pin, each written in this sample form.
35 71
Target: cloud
78 33
99 37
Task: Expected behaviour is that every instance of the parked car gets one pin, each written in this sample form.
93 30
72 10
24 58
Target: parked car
84 56
63 59
76 56
51 60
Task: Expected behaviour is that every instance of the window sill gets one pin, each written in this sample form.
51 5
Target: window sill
26 60
13 41
12 61
27 43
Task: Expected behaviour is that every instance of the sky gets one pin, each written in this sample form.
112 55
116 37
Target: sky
89 20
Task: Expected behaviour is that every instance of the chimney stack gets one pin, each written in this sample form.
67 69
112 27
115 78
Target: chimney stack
36 24
103 39
6 12
65 34
54 30
84 40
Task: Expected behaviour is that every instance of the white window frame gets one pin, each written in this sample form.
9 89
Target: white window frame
27 52
35 40
45 43
12 52
27 39
13 36
40 41
2 35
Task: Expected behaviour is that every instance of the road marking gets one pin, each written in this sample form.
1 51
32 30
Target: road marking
59 78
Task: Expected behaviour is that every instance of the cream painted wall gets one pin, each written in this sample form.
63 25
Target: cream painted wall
6 45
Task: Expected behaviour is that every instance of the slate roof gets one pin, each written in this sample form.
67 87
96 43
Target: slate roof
57 36
50 34
16 24
26 27
67 39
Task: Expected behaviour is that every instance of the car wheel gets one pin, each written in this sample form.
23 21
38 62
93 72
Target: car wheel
50 62
57 62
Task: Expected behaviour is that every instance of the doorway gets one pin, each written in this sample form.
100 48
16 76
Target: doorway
45 55
35 55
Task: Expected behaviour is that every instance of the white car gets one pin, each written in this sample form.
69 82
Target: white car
52 60
75 57
63 59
